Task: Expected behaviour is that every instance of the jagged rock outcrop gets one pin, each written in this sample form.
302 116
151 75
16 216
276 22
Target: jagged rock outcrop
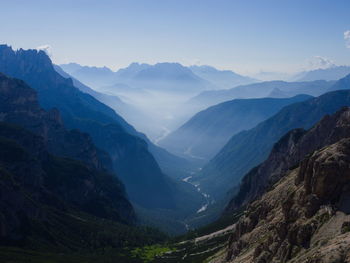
304 216
288 152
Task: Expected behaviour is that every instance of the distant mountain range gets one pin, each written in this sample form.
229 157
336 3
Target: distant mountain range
155 91
152 93
331 73
163 76
170 164
167 74
129 112
279 89
161 93
223 79
91 76
247 149
209 130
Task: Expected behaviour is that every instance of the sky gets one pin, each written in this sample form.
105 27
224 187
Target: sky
246 36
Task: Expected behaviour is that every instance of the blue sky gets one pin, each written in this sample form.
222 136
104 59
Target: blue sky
242 35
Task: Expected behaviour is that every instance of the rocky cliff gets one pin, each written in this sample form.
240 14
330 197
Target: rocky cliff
288 152
304 216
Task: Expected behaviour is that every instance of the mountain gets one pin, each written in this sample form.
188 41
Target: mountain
247 149
209 130
130 71
260 90
146 184
156 91
272 75
164 76
166 71
331 73
98 77
112 101
19 105
301 216
341 84
288 152
134 116
304 215
223 79
44 133
82 87
170 77
170 164
61 182
91 76
57 196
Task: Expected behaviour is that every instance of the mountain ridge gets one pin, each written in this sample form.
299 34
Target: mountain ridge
260 90
331 73
295 146
247 149
209 130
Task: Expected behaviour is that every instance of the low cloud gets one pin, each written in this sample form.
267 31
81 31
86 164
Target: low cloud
347 38
319 62
46 48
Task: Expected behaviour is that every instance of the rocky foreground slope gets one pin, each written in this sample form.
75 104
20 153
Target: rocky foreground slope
303 217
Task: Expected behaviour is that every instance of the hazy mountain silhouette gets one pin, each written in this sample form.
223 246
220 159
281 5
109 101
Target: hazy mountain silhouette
209 130
260 90
331 73
223 79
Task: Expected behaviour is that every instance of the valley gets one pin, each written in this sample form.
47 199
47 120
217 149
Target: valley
183 202
174 131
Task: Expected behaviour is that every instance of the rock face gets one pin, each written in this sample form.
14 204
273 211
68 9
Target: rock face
288 152
304 216
326 174
43 194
